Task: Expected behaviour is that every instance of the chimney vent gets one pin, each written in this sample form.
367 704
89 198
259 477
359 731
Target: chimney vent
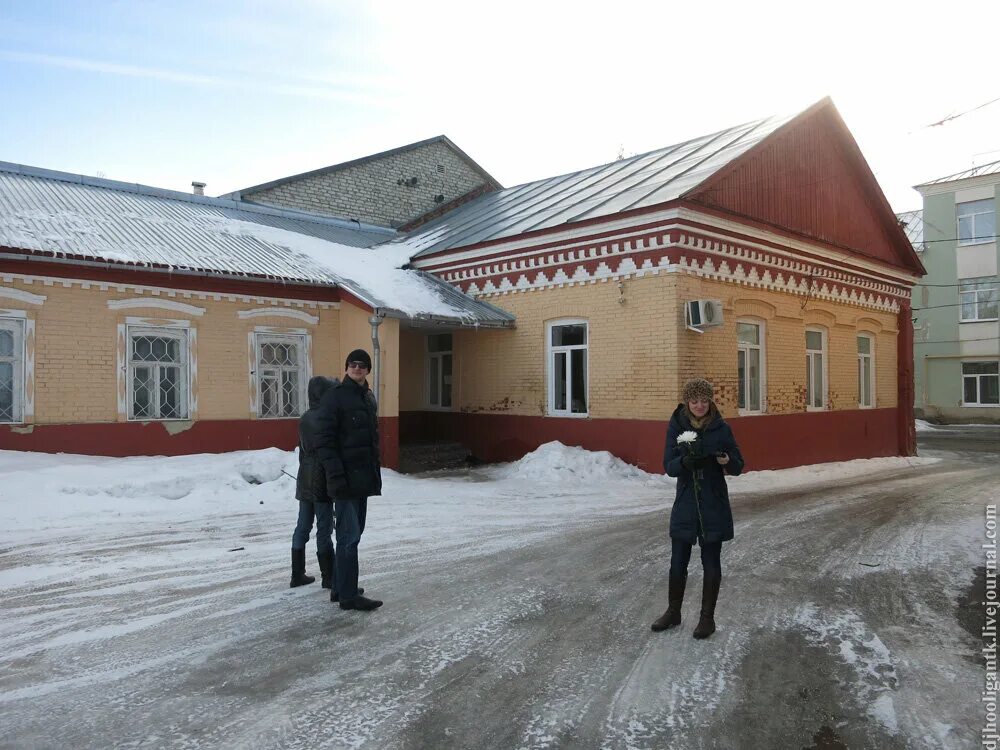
199 188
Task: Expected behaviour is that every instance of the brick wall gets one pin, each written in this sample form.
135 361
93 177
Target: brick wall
641 353
371 192
76 373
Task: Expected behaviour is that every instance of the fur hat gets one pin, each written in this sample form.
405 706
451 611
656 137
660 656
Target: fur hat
696 389
358 355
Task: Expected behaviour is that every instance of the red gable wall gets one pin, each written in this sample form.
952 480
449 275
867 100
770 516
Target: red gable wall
809 177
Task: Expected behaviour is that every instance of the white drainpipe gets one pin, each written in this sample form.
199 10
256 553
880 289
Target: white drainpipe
376 321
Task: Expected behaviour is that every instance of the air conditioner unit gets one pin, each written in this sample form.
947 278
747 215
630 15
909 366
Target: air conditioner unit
703 313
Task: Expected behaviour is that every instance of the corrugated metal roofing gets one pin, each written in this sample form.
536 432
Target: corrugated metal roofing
639 181
982 169
74 215
913 225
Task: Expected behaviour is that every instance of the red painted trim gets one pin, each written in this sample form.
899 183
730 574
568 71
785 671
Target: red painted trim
905 426
114 274
152 438
346 296
768 442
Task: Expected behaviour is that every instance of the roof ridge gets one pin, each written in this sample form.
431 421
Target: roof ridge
367 158
956 176
205 200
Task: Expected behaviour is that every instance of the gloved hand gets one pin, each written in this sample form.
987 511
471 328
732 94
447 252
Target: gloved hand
693 462
339 483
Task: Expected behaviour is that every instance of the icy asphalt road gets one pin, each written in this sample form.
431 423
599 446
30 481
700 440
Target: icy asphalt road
840 625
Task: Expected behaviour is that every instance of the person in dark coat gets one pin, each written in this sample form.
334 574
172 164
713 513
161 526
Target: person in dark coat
701 511
348 448
310 491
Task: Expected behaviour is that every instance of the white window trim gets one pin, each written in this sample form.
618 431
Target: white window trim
762 325
429 355
976 404
975 232
550 373
304 340
181 332
19 326
961 302
871 369
826 365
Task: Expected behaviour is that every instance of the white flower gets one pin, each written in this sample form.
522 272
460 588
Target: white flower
687 437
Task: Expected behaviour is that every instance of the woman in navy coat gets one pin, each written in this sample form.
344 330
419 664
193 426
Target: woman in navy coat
700 451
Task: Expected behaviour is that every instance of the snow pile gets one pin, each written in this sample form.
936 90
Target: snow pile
555 462
923 426
813 474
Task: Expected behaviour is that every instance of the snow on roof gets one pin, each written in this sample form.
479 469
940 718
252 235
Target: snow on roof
83 217
644 180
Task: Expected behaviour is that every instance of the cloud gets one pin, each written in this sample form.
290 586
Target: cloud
339 90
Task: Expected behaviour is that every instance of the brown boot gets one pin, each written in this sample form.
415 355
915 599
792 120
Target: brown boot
675 597
709 597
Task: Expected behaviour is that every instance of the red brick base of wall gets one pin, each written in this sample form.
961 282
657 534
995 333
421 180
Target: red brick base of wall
767 442
153 439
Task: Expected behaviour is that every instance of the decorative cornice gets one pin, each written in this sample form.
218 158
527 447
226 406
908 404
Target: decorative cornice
22 296
683 250
153 302
278 312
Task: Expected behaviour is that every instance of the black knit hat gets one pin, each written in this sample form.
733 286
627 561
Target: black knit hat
696 389
358 355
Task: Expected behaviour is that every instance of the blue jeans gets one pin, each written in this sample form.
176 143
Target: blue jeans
324 526
350 526
680 556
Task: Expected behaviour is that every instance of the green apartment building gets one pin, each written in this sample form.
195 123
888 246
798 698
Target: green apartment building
955 307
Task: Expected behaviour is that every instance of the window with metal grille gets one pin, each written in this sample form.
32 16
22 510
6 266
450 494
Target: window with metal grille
750 366
815 369
439 364
866 371
977 222
281 376
157 373
11 370
980 298
981 383
567 368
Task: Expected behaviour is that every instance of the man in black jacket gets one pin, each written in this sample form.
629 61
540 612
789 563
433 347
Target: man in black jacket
348 448
310 491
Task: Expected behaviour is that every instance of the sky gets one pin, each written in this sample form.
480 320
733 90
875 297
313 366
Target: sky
234 94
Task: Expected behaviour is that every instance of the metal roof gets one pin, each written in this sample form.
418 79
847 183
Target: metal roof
75 216
980 171
913 225
639 181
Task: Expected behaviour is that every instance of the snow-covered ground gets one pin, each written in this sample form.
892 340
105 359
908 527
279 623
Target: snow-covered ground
122 579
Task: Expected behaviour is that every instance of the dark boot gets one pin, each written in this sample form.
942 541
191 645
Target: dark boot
362 603
675 597
299 577
709 596
334 597
326 568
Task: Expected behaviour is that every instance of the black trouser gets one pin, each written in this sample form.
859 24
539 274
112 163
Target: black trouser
680 556
350 525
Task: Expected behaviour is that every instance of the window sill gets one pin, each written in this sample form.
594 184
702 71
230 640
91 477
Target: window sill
438 408
816 408
562 415
980 406
746 413
155 419
979 320
275 419
975 243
